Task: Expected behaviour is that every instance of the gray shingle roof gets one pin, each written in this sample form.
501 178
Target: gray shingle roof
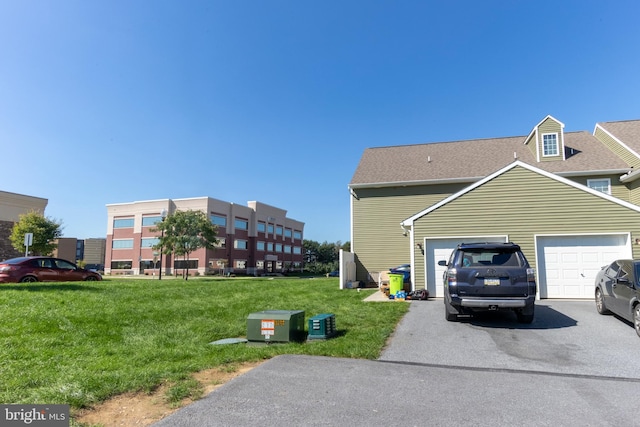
472 159
628 132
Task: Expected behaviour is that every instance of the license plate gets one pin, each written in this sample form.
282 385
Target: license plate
492 282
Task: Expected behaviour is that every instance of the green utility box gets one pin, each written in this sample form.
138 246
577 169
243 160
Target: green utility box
322 326
276 326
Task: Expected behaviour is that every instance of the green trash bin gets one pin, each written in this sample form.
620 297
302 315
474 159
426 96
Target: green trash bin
395 283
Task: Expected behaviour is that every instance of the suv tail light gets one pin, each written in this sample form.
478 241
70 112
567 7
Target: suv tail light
452 275
531 274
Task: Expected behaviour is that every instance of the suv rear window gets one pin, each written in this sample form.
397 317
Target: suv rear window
484 257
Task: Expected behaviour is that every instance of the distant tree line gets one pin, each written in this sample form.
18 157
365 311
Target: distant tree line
322 258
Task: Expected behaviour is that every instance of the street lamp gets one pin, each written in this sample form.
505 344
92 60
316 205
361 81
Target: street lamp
163 214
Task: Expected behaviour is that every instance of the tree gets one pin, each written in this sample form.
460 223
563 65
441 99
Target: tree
185 231
45 232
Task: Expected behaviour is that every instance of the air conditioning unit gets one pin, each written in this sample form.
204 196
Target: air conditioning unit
322 326
275 326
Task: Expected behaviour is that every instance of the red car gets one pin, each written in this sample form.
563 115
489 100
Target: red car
43 269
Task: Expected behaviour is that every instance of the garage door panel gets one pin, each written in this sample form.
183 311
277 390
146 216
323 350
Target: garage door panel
567 265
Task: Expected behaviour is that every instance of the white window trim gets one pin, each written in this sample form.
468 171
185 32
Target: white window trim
557 144
590 181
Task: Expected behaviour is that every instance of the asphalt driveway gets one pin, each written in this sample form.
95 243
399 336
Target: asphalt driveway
569 367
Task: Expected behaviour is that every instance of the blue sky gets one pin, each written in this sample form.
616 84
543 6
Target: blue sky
117 101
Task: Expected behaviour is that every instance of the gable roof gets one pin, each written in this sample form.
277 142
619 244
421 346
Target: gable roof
468 161
626 132
409 221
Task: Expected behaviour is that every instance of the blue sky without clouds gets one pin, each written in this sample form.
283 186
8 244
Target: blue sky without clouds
117 101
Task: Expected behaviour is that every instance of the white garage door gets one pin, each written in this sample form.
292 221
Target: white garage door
437 249
567 265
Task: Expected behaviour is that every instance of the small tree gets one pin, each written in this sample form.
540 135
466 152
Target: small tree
45 232
185 231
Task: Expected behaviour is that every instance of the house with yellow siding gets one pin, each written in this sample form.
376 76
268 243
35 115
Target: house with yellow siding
571 200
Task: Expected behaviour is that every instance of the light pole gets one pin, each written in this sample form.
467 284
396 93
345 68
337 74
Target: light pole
163 214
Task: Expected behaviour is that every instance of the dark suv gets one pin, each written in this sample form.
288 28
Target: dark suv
488 277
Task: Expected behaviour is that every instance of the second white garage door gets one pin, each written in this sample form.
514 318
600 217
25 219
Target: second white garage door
567 265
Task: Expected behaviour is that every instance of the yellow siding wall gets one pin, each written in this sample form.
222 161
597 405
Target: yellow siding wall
521 204
377 236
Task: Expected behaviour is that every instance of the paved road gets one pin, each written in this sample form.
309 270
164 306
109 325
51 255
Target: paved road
569 367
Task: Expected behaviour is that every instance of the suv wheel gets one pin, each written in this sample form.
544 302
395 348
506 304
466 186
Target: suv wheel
450 313
28 279
636 318
524 316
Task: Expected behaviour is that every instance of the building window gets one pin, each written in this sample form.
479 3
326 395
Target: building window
550 144
279 230
297 250
240 244
287 232
182 264
149 242
149 221
297 235
148 265
122 244
270 228
269 247
260 246
260 264
240 263
220 221
287 249
262 227
603 185
121 265
278 247
123 223
241 224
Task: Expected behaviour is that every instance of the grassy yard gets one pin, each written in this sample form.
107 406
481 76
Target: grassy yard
80 343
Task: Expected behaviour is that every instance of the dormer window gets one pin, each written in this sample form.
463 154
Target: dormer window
550 144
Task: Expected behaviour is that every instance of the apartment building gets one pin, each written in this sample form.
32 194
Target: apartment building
255 239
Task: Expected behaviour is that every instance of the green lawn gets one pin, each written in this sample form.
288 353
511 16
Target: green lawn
80 343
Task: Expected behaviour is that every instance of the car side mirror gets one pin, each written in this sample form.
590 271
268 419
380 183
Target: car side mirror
442 263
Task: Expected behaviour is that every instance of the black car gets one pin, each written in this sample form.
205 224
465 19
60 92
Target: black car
489 277
618 290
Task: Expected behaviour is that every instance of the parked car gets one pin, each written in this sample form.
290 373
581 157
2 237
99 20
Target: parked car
43 269
404 269
618 290
489 277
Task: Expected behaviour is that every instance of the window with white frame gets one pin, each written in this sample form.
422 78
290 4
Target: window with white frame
550 144
602 184
240 244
